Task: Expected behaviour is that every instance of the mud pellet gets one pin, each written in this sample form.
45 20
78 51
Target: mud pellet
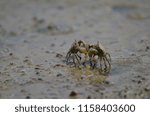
37 73
59 74
73 94
140 81
59 55
89 97
28 97
147 48
40 79
10 54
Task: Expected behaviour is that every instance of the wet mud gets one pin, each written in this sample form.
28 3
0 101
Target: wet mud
35 36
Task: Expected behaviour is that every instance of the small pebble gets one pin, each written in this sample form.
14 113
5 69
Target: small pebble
97 90
40 79
133 80
10 54
29 62
142 41
59 65
52 45
83 76
147 48
133 54
59 74
147 89
89 97
107 82
143 78
37 68
125 96
51 27
28 97
102 93
73 94
139 76
140 81
47 52
59 55
37 73
26 41
11 64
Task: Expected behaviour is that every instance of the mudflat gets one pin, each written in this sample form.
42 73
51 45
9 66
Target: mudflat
35 36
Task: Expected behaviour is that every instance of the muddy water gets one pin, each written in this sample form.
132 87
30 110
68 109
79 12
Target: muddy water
35 36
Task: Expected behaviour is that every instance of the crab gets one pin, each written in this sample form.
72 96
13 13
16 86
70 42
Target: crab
84 44
96 53
77 47
103 57
92 53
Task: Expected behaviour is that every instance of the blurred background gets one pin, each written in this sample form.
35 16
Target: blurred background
35 36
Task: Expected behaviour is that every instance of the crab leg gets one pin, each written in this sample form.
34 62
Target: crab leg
68 57
90 59
107 54
105 63
74 60
76 56
85 57
95 62
100 62
79 56
108 63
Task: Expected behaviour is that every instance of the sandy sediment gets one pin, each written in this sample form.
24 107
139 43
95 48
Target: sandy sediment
35 36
